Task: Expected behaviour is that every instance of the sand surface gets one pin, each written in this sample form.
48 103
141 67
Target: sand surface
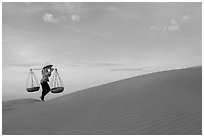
160 103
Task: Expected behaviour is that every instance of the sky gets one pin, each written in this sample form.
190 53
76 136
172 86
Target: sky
95 43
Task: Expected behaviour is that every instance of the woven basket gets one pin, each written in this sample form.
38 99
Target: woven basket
57 89
33 89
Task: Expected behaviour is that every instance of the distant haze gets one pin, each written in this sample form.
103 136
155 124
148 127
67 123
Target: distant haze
96 43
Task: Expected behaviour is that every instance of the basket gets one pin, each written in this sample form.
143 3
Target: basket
56 83
32 84
57 89
33 89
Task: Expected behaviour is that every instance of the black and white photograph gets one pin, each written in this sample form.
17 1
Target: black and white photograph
102 68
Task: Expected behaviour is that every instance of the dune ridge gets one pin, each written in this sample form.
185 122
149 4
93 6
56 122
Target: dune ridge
162 103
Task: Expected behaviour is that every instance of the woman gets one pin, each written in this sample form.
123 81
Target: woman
46 73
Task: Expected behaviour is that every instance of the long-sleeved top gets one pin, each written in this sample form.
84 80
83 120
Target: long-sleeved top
46 73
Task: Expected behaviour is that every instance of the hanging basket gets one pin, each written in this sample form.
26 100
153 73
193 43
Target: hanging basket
33 89
56 83
57 90
32 84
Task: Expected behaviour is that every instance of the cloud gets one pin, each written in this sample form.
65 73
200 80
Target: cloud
155 28
68 11
171 27
65 11
173 21
128 69
61 18
49 18
185 19
75 18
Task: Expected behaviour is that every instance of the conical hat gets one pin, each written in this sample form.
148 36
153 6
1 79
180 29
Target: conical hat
47 65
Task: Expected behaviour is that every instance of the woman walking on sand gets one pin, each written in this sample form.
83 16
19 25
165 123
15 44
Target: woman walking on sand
46 73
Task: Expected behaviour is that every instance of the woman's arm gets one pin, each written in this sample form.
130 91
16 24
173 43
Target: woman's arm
51 69
50 72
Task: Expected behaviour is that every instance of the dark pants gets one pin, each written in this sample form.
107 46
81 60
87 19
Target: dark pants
45 89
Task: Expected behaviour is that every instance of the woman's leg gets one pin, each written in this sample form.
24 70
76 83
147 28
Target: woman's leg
45 90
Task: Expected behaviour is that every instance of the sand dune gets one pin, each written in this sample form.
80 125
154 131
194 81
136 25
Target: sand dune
17 104
160 103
